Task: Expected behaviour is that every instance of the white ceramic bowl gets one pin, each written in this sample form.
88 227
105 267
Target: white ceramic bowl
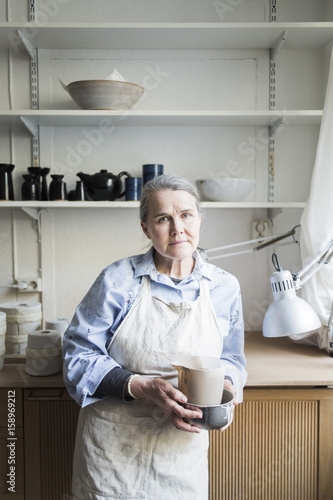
104 94
230 189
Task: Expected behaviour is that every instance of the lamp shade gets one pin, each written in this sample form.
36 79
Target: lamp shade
288 314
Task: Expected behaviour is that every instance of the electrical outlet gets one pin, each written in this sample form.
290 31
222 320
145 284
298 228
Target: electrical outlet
261 228
29 284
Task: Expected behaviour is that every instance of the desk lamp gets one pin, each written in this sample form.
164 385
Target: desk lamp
288 314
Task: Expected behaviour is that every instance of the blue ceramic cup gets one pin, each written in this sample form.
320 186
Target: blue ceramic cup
133 188
151 170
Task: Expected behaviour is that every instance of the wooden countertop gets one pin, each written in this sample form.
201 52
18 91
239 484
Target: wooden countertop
270 363
282 362
14 376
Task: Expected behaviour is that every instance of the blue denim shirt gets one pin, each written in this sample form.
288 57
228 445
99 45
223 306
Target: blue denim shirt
86 360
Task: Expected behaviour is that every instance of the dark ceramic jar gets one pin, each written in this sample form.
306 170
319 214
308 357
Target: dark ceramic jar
57 189
30 188
6 182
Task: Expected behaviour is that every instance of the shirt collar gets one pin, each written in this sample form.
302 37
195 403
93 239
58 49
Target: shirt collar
146 266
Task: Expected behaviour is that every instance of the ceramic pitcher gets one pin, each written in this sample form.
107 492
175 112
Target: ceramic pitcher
201 379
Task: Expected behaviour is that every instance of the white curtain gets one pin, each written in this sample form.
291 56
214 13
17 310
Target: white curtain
317 222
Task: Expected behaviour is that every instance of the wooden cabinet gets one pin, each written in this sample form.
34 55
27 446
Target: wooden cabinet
279 447
50 418
41 447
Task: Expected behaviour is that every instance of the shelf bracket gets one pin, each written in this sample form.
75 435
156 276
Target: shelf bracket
32 212
275 127
32 128
273 212
277 46
27 45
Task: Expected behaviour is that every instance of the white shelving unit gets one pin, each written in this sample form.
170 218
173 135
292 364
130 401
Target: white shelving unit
198 138
135 204
165 35
34 36
81 118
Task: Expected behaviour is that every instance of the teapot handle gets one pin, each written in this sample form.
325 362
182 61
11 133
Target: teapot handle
119 177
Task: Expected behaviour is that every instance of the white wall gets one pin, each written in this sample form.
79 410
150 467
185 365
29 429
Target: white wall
76 244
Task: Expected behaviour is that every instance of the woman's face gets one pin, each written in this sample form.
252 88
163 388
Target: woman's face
173 224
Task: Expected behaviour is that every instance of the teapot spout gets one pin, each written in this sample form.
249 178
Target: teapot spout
84 177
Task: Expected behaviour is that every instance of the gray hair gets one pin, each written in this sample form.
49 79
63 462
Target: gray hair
166 182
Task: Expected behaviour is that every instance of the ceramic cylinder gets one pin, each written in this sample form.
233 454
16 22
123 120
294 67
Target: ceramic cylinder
150 171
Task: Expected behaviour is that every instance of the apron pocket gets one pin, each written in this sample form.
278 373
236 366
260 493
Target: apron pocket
111 466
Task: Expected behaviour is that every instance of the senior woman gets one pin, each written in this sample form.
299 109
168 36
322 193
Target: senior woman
133 437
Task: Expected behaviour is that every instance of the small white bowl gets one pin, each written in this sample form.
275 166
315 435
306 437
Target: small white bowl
104 94
228 189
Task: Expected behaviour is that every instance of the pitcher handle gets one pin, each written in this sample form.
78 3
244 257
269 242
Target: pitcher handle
119 177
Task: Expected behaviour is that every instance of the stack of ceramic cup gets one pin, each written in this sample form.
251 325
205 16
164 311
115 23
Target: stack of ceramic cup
44 349
21 319
3 328
44 353
58 324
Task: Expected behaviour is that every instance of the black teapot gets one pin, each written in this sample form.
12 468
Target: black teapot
103 185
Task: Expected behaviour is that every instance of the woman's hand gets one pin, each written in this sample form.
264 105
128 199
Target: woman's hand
168 399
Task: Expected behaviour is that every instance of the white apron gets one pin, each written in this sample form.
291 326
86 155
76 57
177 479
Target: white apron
132 450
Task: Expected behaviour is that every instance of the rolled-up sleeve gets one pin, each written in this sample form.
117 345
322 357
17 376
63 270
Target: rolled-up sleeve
86 360
85 356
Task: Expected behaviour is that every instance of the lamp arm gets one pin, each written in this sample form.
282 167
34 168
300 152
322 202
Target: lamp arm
264 242
275 240
313 266
232 254
240 244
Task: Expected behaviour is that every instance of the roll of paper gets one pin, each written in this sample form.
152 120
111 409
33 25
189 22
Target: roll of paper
22 317
57 324
44 353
